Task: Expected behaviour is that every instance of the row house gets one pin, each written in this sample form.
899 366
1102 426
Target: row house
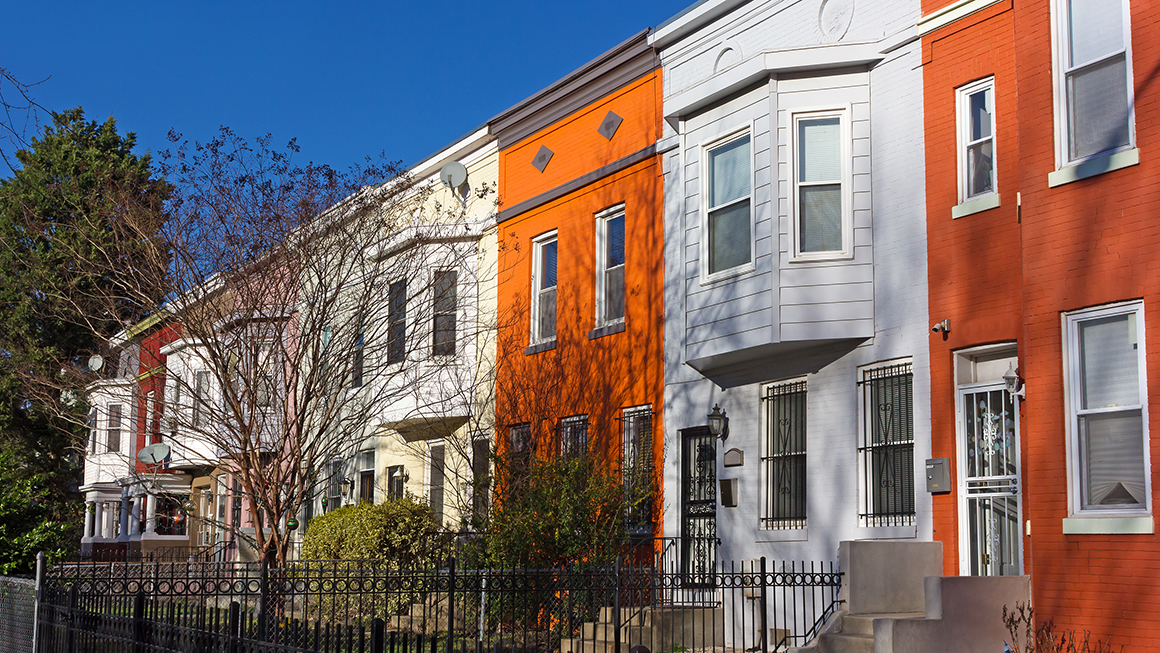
796 354
579 285
1043 275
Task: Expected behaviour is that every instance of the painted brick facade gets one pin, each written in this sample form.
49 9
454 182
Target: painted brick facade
1010 274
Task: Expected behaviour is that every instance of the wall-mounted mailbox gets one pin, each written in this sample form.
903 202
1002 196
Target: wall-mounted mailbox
938 475
729 492
734 458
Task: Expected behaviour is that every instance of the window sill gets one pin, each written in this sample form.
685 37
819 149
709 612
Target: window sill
787 535
606 330
977 205
821 257
540 346
725 275
1142 525
1094 166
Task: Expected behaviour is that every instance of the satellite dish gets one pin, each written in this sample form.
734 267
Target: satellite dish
96 362
453 174
154 454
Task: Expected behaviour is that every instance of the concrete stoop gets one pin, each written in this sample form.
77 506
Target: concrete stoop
670 628
896 601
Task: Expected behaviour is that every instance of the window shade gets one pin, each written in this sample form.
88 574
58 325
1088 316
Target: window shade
729 237
820 209
1096 29
615 240
819 150
548 265
729 172
1113 452
1109 363
1098 111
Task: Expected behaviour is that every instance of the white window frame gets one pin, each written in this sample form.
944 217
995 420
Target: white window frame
537 247
602 220
847 181
1060 38
705 147
1073 399
963 119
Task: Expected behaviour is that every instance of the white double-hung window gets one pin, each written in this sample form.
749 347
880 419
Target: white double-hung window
822 217
610 266
544 288
728 202
1093 78
1107 411
976 151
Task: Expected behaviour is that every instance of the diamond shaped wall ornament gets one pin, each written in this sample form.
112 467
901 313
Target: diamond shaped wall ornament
542 158
609 125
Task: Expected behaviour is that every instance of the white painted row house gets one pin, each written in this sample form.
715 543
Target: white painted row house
795 283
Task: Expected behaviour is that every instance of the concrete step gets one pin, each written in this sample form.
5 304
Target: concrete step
607 632
863 624
846 643
634 616
580 645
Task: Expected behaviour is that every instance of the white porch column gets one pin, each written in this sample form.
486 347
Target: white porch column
126 519
99 520
90 521
135 517
150 514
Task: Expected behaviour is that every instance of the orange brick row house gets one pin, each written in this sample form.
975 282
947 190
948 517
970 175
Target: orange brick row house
579 286
1042 260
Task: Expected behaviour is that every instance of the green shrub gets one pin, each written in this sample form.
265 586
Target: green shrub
395 530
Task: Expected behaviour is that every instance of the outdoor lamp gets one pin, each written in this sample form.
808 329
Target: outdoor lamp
1014 382
718 423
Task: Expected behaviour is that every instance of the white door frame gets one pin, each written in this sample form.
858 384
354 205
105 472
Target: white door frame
961 481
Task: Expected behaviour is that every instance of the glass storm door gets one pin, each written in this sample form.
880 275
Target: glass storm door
698 504
990 495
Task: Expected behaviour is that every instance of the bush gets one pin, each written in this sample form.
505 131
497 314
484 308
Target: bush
558 512
1027 637
395 530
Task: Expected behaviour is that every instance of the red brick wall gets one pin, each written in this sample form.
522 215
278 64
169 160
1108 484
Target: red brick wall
974 276
1087 243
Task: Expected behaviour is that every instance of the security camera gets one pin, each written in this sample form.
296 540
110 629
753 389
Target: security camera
941 327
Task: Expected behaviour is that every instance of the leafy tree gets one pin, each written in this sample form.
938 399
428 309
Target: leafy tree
61 222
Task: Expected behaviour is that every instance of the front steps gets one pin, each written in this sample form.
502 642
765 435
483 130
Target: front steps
657 628
855 633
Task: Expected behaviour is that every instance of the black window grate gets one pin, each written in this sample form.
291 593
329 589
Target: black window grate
886 449
785 459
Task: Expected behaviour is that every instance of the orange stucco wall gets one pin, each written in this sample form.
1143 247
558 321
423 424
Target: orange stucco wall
597 377
1005 276
578 148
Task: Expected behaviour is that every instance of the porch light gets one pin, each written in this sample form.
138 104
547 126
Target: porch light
718 423
1014 382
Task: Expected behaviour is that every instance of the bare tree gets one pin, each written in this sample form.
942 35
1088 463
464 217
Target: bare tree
295 311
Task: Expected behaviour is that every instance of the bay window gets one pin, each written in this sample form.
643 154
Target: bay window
728 205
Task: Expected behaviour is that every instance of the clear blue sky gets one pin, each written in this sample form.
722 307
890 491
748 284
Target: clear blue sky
348 79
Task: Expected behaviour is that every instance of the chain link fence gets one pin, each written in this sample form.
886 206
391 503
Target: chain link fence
17 614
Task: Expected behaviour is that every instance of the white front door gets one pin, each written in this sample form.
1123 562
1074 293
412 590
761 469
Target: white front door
989 489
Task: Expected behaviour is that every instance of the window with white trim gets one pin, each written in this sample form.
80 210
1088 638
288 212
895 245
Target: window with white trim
1106 409
822 218
886 447
114 427
201 397
544 288
784 459
976 152
1093 77
610 266
366 476
443 325
437 477
728 201
396 324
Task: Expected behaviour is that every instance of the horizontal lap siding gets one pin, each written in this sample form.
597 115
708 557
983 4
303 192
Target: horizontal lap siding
741 304
812 316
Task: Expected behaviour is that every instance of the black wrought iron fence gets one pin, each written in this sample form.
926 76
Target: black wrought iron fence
342 606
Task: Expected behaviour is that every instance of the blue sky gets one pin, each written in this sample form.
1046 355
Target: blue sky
347 79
